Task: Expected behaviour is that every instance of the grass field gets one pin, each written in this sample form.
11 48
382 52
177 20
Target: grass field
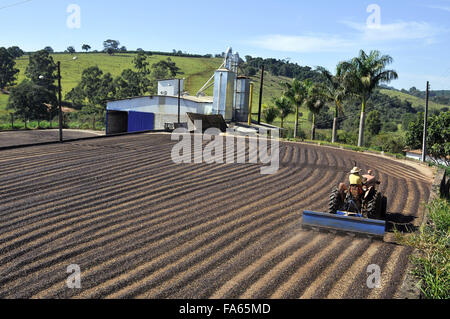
415 101
196 70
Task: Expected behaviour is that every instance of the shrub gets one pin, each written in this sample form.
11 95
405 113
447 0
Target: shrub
290 134
347 137
390 127
388 143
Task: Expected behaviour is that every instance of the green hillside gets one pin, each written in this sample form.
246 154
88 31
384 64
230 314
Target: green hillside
416 102
196 71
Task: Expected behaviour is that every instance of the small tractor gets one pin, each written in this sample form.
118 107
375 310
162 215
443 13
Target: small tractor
361 201
354 209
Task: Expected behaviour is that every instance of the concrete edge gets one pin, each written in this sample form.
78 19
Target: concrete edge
13 147
410 288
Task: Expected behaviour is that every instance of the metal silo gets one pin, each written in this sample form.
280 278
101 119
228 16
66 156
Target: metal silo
242 99
224 82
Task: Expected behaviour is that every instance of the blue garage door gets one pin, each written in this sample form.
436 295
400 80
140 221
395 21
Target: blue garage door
138 122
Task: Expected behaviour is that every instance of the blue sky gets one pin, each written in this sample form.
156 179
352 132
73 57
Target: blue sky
415 33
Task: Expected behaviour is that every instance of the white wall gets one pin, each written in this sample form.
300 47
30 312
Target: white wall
170 87
165 108
419 157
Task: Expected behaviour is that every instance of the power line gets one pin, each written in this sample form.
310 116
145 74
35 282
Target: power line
15 4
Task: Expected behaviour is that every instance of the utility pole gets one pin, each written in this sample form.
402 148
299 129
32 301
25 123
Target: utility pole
261 95
60 104
425 126
179 101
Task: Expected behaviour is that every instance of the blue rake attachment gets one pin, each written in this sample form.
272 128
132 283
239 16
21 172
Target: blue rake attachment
358 225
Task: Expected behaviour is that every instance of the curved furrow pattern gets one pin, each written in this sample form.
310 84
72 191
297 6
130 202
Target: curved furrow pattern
141 226
259 214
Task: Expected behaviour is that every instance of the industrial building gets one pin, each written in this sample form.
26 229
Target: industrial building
169 108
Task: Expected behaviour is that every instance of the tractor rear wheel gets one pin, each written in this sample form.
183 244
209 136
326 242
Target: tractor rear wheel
383 207
335 202
374 206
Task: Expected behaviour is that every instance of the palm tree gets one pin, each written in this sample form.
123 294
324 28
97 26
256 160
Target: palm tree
284 105
334 91
362 75
270 114
314 101
296 93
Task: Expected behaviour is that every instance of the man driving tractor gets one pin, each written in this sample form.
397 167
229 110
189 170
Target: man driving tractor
357 180
359 184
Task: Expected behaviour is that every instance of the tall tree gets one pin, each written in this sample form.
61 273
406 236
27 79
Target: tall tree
111 46
86 47
32 101
140 63
362 75
285 107
15 52
131 84
296 92
71 50
96 86
76 95
162 70
167 66
41 70
314 101
438 138
334 91
8 71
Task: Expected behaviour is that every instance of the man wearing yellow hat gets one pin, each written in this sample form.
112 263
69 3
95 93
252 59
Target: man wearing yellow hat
355 177
356 185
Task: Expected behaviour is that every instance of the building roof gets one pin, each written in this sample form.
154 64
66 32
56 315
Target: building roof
418 152
200 99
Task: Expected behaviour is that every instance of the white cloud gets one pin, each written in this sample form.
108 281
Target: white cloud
303 44
363 35
395 31
445 8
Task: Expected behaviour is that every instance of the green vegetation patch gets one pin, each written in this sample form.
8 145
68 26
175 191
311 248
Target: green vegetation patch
432 264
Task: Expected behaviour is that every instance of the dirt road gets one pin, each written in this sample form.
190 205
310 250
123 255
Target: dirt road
140 226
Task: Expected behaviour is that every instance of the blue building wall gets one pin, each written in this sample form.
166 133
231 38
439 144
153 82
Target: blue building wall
139 121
